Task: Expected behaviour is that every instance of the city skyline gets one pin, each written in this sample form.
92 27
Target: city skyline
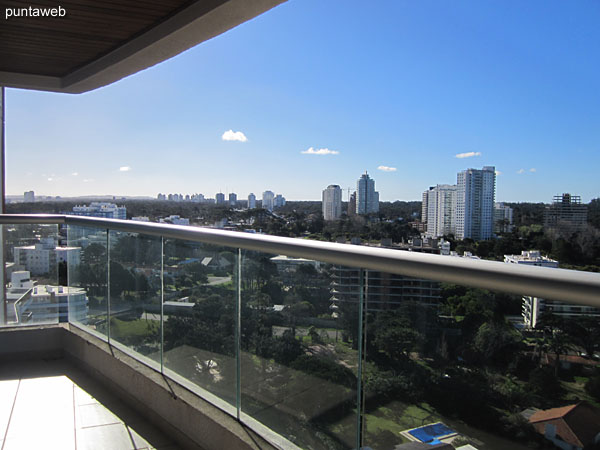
424 91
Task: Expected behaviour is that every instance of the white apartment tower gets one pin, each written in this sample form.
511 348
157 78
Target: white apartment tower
251 201
475 194
332 202
268 200
367 198
440 210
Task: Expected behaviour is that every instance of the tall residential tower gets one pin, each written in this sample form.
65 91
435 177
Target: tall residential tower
332 202
439 210
475 195
367 198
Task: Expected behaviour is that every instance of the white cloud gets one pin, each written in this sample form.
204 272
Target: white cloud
533 169
467 155
321 151
498 173
75 174
124 169
88 180
50 179
234 136
387 169
520 171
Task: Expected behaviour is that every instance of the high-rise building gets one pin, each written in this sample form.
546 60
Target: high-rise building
534 308
251 201
101 209
566 214
268 200
220 198
503 218
424 204
232 199
29 197
279 201
367 198
332 202
352 204
440 210
386 290
475 195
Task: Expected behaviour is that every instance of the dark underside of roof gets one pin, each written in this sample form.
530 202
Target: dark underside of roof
56 46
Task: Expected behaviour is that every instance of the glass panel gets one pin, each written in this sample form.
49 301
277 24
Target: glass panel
88 295
462 365
35 290
199 308
299 350
135 292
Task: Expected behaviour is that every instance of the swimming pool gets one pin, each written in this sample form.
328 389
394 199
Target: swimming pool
432 433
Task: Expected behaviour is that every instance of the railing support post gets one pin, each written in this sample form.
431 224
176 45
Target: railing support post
238 335
359 387
108 285
162 305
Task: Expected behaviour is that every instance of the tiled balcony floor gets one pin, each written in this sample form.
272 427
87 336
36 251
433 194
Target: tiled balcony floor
54 405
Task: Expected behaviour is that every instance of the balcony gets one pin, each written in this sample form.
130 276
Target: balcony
201 335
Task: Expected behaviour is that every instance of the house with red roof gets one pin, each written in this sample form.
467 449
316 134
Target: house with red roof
570 427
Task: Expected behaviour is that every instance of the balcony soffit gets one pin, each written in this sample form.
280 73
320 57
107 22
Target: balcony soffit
98 42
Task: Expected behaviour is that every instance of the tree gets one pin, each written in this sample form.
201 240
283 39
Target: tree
395 337
495 341
585 333
287 348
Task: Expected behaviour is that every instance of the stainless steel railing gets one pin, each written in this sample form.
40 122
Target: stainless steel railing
557 284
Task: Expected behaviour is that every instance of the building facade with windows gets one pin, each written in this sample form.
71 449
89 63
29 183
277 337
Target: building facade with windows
332 202
440 210
475 198
503 218
101 209
566 214
251 201
534 307
268 200
42 258
367 198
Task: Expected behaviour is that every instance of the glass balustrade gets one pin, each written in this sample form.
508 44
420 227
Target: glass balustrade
325 356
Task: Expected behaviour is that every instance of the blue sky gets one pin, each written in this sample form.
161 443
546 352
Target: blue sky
404 85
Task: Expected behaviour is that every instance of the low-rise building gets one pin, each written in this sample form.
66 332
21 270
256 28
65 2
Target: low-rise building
534 307
29 303
101 209
175 220
570 427
43 257
503 218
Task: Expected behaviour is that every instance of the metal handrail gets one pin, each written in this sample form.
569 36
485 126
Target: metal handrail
572 286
